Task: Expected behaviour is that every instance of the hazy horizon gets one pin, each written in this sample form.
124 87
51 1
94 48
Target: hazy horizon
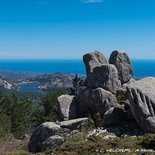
67 29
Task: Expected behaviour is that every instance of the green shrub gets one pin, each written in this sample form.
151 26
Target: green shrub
49 104
5 125
15 115
21 117
118 99
148 141
77 84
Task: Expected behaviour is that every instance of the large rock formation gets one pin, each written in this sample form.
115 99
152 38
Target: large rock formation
92 101
104 76
40 137
67 107
142 102
92 60
98 100
123 65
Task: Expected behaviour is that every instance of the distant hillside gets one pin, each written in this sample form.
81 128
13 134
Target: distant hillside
55 80
35 82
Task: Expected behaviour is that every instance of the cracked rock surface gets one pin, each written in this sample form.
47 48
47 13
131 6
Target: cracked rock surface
142 102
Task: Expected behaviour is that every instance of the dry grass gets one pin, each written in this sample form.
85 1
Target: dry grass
79 146
11 144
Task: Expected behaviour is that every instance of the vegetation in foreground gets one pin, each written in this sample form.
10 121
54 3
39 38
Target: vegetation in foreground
78 145
19 116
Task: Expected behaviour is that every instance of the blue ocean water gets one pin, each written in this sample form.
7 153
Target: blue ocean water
142 68
44 66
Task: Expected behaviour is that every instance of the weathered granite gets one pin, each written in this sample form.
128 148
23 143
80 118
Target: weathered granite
92 101
123 65
42 133
67 107
93 59
113 116
104 76
75 124
142 102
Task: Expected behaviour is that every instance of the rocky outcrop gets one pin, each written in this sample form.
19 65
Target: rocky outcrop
104 76
50 134
123 65
112 98
41 136
117 106
93 59
142 102
92 101
67 107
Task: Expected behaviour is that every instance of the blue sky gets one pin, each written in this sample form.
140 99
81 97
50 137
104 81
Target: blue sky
65 29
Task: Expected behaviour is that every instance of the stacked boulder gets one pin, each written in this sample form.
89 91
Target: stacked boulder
93 60
110 93
100 73
103 83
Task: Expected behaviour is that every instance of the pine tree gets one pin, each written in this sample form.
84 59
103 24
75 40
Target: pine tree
77 83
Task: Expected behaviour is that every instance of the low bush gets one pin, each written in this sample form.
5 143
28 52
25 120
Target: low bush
148 141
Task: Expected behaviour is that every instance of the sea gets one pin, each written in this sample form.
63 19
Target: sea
142 68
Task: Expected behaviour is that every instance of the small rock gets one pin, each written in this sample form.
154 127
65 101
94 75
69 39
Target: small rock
109 137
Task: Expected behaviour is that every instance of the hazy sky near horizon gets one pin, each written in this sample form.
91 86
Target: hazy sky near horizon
65 29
